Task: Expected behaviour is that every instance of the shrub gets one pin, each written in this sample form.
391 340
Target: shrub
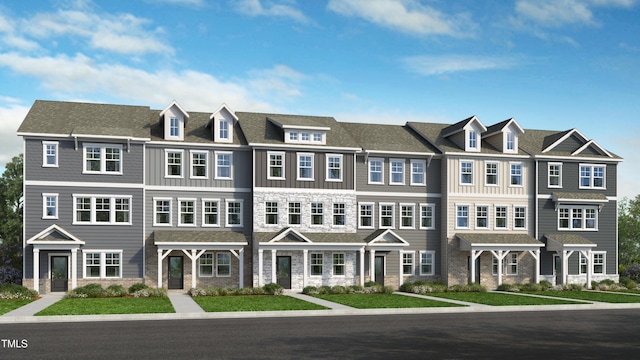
632 272
324 290
338 289
116 291
387 289
509 287
310 290
273 289
355 289
572 287
371 284
88 291
138 286
150 292
15 291
628 283
545 285
467 288
422 287
243 291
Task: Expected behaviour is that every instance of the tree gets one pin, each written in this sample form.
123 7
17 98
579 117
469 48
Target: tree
629 232
11 209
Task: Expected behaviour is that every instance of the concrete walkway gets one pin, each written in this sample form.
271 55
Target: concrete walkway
183 303
36 306
321 302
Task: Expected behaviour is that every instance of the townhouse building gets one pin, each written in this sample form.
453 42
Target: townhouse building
180 199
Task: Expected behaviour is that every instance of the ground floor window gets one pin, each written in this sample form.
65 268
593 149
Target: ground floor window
583 264
223 264
205 265
512 264
407 263
599 259
102 264
316 264
426 263
338 264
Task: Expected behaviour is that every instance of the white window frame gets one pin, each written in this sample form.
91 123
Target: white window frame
329 168
516 217
103 264
594 254
155 211
201 265
339 211
506 217
581 264
424 215
103 158
511 264
510 138
180 212
269 207
292 205
93 209
392 216
299 167
571 216
371 216
463 162
393 171
317 213
45 206
559 165
228 202
369 172
45 153
166 163
486 173
270 166
591 177
174 123
218 165
472 139
428 254
423 173
336 263
316 259
219 265
205 213
410 255
193 165
477 216
219 130
403 216
459 208
513 175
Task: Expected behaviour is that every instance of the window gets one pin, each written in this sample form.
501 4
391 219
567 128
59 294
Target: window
295 213
427 212
162 212
426 263
271 213
519 217
339 215
90 209
317 137
338 264
276 166
516 174
50 154
417 172
49 206
501 217
316 264
102 264
296 136
396 172
223 264
555 175
511 142
223 129
102 159
210 212
173 160
578 218
305 166
406 216
386 216
512 264
199 164
174 127
187 215
334 167
491 173
599 262
494 265
473 139
482 217
305 137
205 265
592 176
366 216
224 162
407 263
462 216
375 171
466 172
234 213
293 136
317 213
583 264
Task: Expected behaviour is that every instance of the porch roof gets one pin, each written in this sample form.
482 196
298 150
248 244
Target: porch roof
292 239
55 238
493 241
559 242
183 238
385 240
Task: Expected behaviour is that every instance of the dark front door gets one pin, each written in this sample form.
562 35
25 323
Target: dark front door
59 273
283 271
379 270
557 269
176 273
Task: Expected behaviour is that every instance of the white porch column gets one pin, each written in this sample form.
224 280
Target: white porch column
565 266
500 255
260 267
74 268
193 258
159 269
305 267
587 254
36 269
400 272
241 270
362 267
536 256
274 278
475 254
372 265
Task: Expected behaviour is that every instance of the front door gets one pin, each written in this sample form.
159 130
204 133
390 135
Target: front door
59 273
379 270
557 269
283 271
176 272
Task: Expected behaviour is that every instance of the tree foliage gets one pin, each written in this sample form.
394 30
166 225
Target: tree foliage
11 209
629 232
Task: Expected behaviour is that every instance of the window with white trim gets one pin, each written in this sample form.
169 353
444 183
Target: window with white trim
223 264
555 175
512 264
462 217
50 154
271 212
427 214
386 216
365 220
407 263
295 213
583 264
102 159
510 142
224 165
516 174
472 139
305 166
103 209
592 176
482 217
491 173
338 264
102 264
396 171
376 168
187 212
334 167
162 212
199 164
174 127
519 217
293 136
406 216
223 130
418 172
427 259
234 213
466 172
317 213
599 262
305 136
173 162
49 206
205 265
339 214
210 212
315 261
275 165
578 218
501 214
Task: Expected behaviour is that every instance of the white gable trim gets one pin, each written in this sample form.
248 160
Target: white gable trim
595 144
175 103
74 240
565 137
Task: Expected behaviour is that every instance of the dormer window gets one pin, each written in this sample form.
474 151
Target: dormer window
510 142
223 130
174 127
304 137
293 136
174 119
473 139
221 123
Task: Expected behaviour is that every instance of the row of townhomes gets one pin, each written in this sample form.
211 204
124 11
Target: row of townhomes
180 199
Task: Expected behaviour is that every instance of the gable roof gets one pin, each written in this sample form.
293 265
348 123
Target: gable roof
550 143
388 138
461 125
54 235
196 130
499 127
175 103
198 236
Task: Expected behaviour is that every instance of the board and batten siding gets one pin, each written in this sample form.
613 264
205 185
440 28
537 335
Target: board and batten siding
479 186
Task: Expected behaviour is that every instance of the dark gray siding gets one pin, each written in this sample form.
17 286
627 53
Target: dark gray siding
571 177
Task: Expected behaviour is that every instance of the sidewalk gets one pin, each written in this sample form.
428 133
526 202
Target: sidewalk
35 306
183 303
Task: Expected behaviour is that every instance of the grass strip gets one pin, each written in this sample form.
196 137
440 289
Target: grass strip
99 306
253 303
380 301
7 305
501 299
599 296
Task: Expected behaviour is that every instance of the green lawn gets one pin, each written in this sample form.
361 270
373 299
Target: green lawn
96 306
378 301
9 305
253 303
500 299
591 296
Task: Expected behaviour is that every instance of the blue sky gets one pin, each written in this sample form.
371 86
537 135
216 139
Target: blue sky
550 64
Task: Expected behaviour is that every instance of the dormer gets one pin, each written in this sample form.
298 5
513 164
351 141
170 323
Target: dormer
174 120
301 131
504 136
222 121
466 134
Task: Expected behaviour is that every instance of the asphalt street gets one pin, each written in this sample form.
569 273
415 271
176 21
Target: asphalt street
576 334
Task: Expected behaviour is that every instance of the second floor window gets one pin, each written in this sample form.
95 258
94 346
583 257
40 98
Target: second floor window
276 166
406 216
491 173
592 176
234 213
516 174
501 217
519 217
396 172
555 175
223 165
375 171
210 213
366 215
427 212
271 212
578 218
50 208
102 210
162 212
295 213
173 163
199 164
386 216
334 167
339 214
305 166
462 216
482 217
466 172
187 212
317 213
102 159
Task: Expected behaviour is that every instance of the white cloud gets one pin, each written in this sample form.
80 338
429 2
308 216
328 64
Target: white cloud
270 8
11 115
443 64
280 79
557 13
409 16
5 24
